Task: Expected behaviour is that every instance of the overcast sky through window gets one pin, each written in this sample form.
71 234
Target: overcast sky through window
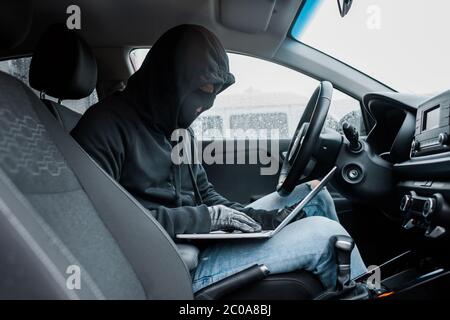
403 43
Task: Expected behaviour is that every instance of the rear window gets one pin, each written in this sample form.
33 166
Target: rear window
20 68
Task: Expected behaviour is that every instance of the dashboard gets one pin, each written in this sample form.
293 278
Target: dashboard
412 133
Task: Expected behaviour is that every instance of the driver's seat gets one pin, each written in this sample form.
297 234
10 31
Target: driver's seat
62 215
299 285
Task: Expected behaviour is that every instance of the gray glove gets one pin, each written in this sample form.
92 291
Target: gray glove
224 218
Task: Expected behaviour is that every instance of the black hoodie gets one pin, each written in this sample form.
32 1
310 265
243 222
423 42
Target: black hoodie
128 133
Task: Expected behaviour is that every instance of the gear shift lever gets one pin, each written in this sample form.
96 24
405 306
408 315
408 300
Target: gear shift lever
343 246
352 135
345 287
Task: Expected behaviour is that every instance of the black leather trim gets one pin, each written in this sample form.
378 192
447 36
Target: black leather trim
236 282
300 285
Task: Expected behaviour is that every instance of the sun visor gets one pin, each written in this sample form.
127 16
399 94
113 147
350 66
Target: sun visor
250 16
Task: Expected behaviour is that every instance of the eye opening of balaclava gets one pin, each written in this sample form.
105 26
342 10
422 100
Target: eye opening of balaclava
193 105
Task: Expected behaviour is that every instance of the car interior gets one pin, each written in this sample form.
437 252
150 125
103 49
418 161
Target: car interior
58 208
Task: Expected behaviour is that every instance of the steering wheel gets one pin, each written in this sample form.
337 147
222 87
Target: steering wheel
298 162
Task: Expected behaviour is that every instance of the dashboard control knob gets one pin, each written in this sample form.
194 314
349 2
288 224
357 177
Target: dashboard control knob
409 224
405 203
443 138
415 145
428 208
435 232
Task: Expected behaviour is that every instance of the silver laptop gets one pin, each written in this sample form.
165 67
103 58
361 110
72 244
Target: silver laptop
265 233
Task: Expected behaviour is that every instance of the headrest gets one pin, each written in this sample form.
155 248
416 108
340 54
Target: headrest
63 65
15 22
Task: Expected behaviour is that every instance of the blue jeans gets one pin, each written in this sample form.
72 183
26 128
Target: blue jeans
303 244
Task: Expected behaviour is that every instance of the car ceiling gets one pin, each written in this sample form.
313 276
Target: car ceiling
138 23
253 27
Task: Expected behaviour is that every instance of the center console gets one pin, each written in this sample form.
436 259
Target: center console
408 181
425 208
411 275
424 204
423 272
432 127
423 200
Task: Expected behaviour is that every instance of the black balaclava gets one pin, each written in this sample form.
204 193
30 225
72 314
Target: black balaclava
189 108
165 90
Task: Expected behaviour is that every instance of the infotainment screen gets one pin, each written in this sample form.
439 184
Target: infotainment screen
431 118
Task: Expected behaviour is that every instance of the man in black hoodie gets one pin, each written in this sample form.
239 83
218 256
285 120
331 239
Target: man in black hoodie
129 135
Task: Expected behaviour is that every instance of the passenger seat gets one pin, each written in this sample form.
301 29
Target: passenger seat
63 66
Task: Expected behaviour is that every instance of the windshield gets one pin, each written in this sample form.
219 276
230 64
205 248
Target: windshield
402 43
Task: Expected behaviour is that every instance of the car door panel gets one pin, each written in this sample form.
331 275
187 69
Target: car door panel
244 183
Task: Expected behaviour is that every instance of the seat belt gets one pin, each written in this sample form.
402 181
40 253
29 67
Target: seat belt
198 196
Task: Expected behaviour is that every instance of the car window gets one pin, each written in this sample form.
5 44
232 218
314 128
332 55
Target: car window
401 42
20 67
266 96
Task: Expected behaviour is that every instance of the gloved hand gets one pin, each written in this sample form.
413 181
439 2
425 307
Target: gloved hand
224 218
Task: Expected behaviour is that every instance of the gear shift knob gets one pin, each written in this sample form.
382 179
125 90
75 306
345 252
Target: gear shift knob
343 246
345 288
352 135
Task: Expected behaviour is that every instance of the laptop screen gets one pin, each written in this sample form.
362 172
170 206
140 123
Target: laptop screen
306 199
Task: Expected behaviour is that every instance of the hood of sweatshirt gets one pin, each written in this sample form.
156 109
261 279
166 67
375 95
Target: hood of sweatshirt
181 61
